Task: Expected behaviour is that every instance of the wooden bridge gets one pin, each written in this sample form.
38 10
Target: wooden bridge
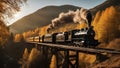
65 59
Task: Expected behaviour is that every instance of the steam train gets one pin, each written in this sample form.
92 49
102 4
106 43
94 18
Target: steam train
79 37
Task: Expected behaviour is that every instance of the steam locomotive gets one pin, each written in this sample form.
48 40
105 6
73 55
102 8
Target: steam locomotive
79 37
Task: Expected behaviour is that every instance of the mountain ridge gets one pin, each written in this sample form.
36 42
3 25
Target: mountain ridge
39 18
105 5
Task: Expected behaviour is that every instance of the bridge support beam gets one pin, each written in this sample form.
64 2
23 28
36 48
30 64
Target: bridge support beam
66 60
100 57
69 60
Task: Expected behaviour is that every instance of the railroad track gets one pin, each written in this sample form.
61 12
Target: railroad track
80 49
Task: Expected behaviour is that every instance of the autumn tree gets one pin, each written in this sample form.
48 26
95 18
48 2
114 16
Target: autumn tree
97 18
29 34
7 9
53 62
18 38
4 33
36 60
106 25
25 58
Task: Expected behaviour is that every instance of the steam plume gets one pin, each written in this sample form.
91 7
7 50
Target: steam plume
78 16
63 18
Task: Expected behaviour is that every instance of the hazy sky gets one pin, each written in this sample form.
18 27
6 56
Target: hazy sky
34 5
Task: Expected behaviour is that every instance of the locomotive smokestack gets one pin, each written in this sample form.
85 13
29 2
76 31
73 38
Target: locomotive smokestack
89 18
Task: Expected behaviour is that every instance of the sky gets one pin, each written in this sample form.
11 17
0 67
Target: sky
34 5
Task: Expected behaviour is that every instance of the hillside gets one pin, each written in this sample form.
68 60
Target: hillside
39 18
112 62
105 5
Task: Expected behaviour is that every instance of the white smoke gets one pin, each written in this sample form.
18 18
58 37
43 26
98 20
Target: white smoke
78 16
63 18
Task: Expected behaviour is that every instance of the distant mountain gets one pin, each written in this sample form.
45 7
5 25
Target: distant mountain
39 18
105 5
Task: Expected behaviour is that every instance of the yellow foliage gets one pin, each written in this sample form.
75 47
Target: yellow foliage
97 18
4 33
28 34
53 62
43 31
25 54
115 44
88 58
106 24
18 38
37 32
34 53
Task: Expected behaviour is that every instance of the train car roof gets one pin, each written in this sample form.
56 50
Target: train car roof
48 35
81 33
60 33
